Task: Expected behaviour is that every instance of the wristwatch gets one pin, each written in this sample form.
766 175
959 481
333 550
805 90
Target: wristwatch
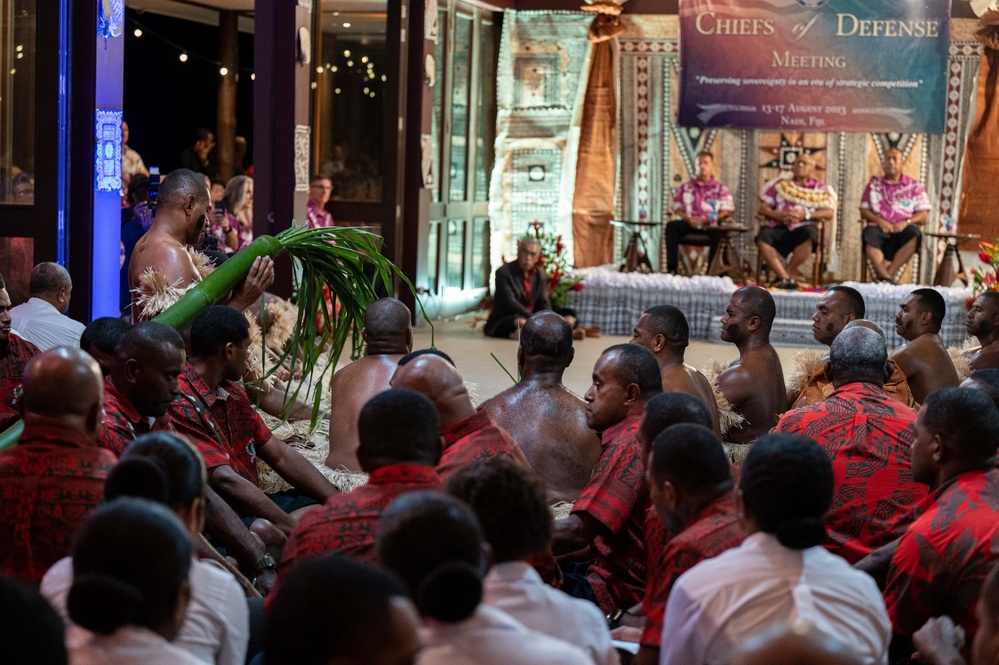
614 618
266 562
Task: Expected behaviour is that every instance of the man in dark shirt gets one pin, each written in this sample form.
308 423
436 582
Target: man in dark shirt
607 523
199 157
521 290
54 477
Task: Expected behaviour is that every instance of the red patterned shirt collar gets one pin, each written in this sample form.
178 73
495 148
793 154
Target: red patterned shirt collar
629 424
63 436
463 428
391 474
122 403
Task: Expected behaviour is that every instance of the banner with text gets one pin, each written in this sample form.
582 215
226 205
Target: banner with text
814 65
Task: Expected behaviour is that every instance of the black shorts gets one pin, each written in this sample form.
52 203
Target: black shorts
890 243
784 240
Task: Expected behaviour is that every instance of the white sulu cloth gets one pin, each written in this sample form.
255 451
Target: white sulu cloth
490 637
720 602
517 589
130 645
216 627
44 326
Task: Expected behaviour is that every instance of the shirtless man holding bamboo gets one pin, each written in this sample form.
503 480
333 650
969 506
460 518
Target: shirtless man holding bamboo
182 210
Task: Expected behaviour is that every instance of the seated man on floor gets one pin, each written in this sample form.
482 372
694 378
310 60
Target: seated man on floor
792 207
509 500
542 415
893 205
840 308
943 558
924 360
663 330
54 476
42 320
215 412
753 383
470 434
400 444
388 336
15 353
692 491
983 324
868 439
601 542
699 202
140 389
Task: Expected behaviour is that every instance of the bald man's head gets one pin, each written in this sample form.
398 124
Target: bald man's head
547 336
388 327
439 382
47 278
63 384
785 646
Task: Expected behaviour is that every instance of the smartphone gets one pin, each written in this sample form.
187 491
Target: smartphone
220 205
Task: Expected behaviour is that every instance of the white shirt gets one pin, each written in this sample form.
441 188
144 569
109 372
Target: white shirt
720 602
490 637
517 589
130 645
44 326
216 627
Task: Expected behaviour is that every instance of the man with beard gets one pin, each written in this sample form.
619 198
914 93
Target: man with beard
983 323
925 360
837 310
182 209
754 382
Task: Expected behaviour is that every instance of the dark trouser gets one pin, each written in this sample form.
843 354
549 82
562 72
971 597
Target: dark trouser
785 240
508 324
574 581
890 243
675 231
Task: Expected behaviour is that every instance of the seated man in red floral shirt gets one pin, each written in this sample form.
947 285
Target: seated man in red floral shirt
399 445
54 477
944 557
601 543
867 437
14 355
470 435
215 412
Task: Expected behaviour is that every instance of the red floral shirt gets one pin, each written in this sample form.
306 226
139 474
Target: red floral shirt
476 439
122 423
944 557
867 437
617 497
19 352
347 522
49 482
713 531
222 423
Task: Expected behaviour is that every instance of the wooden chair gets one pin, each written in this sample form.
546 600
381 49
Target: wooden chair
818 256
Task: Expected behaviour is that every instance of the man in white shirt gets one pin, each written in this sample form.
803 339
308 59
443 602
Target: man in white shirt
509 500
42 320
781 574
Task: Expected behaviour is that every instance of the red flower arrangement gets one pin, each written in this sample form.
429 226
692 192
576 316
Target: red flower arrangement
983 281
555 264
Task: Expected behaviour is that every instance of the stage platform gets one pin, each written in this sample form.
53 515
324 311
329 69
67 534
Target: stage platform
615 300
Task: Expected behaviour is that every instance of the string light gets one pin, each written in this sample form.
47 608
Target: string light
346 25
346 54
364 58
183 57
253 77
137 32
182 53
223 71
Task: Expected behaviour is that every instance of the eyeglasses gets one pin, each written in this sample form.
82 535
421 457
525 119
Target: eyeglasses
323 187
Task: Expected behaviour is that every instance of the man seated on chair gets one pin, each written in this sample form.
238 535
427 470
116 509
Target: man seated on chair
695 203
892 205
792 207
